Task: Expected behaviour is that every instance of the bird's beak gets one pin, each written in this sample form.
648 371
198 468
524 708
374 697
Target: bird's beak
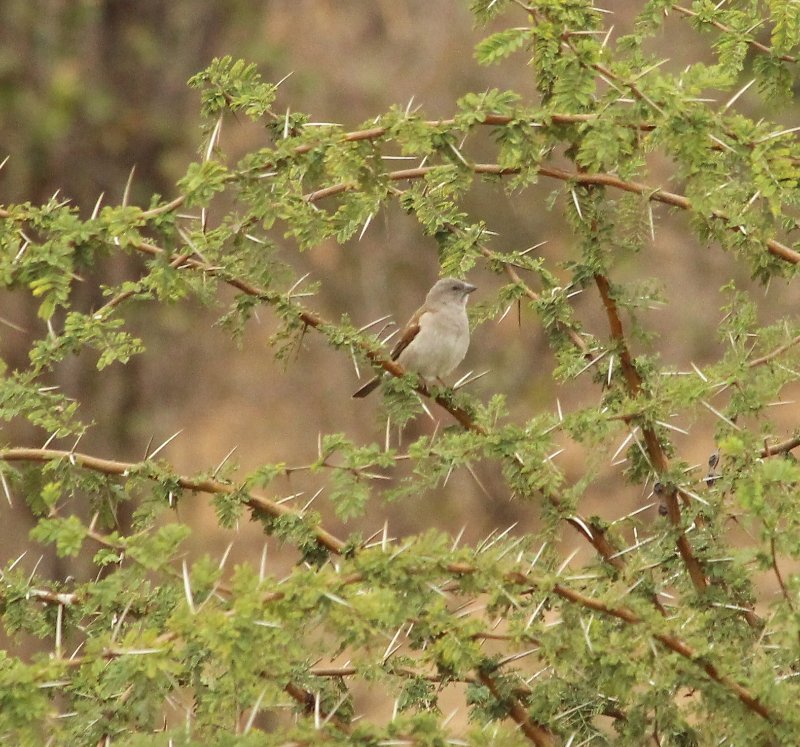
469 288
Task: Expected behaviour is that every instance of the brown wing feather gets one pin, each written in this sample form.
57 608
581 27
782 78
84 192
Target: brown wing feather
409 333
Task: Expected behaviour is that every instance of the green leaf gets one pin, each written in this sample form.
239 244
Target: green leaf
202 182
501 44
67 534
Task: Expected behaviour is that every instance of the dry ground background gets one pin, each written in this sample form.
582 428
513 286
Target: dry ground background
90 89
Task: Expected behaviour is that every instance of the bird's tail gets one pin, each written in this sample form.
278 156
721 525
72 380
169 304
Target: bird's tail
367 388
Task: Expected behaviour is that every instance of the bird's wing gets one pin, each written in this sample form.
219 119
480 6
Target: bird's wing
409 333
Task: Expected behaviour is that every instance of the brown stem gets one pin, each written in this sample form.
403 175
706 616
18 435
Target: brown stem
676 645
784 447
658 458
758 46
656 194
513 275
257 503
535 732
779 575
774 353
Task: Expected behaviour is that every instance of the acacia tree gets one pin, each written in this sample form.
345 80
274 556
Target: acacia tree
662 638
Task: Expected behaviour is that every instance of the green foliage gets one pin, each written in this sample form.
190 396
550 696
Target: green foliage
233 85
500 45
661 633
67 534
202 181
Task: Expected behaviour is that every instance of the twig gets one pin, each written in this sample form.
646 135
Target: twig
600 179
778 574
257 503
774 354
535 732
676 645
758 46
336 546
783 447
657 456
574 337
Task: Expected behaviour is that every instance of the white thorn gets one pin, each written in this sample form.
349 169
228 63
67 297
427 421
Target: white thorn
733 98
171 438
187 588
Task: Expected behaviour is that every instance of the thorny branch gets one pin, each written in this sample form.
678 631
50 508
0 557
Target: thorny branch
784 447
658 458
774 353
257 503
589 530
656 194
513 275
758 46
535 732
592 531
310 319
776 569
335 545
676 645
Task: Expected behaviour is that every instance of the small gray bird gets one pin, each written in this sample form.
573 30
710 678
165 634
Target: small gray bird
436 338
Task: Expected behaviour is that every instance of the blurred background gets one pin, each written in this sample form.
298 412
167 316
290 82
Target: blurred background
90 89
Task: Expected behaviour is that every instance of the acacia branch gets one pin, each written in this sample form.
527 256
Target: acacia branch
655 194
313 320
513 275
591 530
658 458
257 503
520 690
125 295
535 732
774 353
336 546
784 447
756 45
262 505
779 575
676 645
655 452
672 642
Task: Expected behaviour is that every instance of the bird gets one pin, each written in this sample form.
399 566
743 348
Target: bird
436 338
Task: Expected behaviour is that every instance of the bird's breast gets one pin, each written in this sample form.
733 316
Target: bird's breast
440 345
